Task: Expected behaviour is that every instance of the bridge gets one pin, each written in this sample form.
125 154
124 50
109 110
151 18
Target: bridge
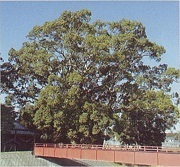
137 155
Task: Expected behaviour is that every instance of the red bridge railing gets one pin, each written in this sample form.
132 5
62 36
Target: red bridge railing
143 155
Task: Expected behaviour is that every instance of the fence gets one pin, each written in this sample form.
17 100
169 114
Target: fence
142 155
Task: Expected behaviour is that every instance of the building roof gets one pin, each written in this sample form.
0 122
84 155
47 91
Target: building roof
20 129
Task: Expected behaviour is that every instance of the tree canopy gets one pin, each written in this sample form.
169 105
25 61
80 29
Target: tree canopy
74 79
8 116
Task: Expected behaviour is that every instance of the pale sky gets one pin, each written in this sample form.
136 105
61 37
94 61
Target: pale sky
161 19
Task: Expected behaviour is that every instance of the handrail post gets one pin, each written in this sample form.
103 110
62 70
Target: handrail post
66 150
54 150
114 155
134 156
43 149
157 156
96 154
81 151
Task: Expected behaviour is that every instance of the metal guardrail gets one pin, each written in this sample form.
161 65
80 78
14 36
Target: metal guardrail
112 147
143 155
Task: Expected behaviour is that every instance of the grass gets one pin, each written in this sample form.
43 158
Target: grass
23 158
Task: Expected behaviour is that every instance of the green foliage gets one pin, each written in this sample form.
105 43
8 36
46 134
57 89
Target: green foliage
146 119
8 115
26 116
74 79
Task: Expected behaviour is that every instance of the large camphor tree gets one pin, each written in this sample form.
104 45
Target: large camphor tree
75 79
